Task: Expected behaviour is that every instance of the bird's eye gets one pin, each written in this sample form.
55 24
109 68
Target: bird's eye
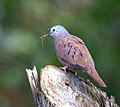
53 30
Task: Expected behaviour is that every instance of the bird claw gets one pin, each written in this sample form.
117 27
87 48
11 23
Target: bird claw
64 68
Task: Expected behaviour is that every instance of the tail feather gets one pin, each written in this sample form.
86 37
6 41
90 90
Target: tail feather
93 73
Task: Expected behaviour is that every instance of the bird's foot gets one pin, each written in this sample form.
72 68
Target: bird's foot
64 68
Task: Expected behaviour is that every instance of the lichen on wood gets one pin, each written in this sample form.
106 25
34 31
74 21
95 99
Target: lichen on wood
60 89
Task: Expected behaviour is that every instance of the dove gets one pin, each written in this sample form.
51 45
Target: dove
72 52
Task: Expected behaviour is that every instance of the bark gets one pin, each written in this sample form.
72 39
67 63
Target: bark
60 89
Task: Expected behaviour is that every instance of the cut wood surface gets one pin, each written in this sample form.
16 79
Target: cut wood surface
66 90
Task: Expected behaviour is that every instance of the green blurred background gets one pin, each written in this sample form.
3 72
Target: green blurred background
97 22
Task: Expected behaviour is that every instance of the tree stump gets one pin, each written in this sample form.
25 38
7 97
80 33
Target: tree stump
60 89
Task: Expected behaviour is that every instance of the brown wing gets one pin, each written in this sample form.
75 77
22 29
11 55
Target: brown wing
84 52
72 50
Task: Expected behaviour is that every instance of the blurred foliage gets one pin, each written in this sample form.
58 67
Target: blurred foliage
97 22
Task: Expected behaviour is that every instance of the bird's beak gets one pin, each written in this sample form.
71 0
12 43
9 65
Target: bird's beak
49 32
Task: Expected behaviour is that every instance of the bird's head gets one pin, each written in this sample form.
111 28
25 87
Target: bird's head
57 31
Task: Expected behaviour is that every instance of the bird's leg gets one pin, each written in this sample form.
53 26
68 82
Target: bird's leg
64 68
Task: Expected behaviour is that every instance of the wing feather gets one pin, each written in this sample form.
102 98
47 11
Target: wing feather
73 51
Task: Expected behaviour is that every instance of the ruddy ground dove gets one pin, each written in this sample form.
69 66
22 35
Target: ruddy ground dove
72 52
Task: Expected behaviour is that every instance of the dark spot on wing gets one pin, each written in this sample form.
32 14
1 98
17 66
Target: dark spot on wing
74 52
80 42
73 56
81 54
63 60
69 44
64 45
69 50
76 41
75 48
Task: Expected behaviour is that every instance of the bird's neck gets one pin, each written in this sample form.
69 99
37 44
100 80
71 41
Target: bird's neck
57 38
61 36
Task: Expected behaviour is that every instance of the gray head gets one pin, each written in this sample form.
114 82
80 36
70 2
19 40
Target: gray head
58 31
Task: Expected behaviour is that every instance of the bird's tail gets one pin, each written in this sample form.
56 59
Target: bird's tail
93 73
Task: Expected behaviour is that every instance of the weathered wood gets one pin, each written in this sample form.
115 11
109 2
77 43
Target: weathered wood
60 89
